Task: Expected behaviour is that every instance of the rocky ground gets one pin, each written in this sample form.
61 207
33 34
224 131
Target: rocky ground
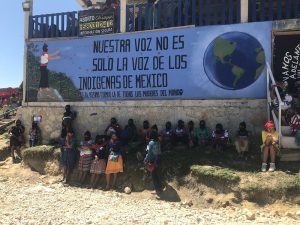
26 197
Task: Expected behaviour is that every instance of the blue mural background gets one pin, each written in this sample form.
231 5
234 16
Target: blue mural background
214 62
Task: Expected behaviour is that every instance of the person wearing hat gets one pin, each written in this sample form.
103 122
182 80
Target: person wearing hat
270 146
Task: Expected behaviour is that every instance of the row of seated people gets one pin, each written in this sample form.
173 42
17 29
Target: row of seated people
169 136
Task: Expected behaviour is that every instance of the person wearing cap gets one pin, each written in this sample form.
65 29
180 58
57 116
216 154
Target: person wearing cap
270 146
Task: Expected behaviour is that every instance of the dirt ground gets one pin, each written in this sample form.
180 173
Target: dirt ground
30 198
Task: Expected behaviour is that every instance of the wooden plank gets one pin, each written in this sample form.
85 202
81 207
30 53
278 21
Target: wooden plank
238 11
291 157
201 12
207 16
279 10
230 13
262 10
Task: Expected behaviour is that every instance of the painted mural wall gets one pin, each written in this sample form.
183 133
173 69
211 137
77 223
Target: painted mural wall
213 62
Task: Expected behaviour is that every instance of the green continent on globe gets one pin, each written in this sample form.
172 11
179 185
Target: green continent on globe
261 59
238 72
223 48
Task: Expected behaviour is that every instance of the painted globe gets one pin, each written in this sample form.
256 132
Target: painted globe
234 60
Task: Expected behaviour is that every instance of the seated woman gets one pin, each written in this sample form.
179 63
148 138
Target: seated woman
191 134
129 134
203 134
167 135
269 146
220 138
241 141
144 133
113 128
180 133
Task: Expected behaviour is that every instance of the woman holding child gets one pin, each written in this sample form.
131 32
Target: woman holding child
99 163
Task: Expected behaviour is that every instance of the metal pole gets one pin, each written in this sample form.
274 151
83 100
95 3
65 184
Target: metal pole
27 14
268 94
244 11
123 12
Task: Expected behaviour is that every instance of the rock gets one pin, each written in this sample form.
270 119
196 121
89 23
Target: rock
2 163
250 216
190 203
3 179
187 203
127 190
225 204
290 215
209 200
297 213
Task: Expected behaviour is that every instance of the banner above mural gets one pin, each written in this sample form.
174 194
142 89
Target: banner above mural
214 62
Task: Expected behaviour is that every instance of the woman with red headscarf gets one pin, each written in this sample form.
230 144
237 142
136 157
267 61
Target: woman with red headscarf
269 146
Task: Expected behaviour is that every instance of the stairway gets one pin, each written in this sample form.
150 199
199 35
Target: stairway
7 118
5 123
288 149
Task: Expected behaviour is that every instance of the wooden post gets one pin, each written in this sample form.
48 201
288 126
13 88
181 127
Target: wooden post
244 11
123 11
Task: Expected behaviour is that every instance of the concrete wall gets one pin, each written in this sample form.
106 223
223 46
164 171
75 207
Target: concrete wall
96 116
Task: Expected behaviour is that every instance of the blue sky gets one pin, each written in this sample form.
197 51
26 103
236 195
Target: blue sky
12 30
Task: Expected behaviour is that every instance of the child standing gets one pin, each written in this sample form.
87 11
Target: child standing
241 142
86 156
153 158
69 155
34 135
99 163
115 161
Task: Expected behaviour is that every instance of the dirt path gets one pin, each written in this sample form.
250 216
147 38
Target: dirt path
29 198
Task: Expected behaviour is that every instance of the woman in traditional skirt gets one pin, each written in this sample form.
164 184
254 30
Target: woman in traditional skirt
115 161
69 155
86 156
99 163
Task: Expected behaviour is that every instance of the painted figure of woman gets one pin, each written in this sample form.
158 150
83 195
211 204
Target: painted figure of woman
45 57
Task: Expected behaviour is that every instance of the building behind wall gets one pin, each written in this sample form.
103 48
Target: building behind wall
214 100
